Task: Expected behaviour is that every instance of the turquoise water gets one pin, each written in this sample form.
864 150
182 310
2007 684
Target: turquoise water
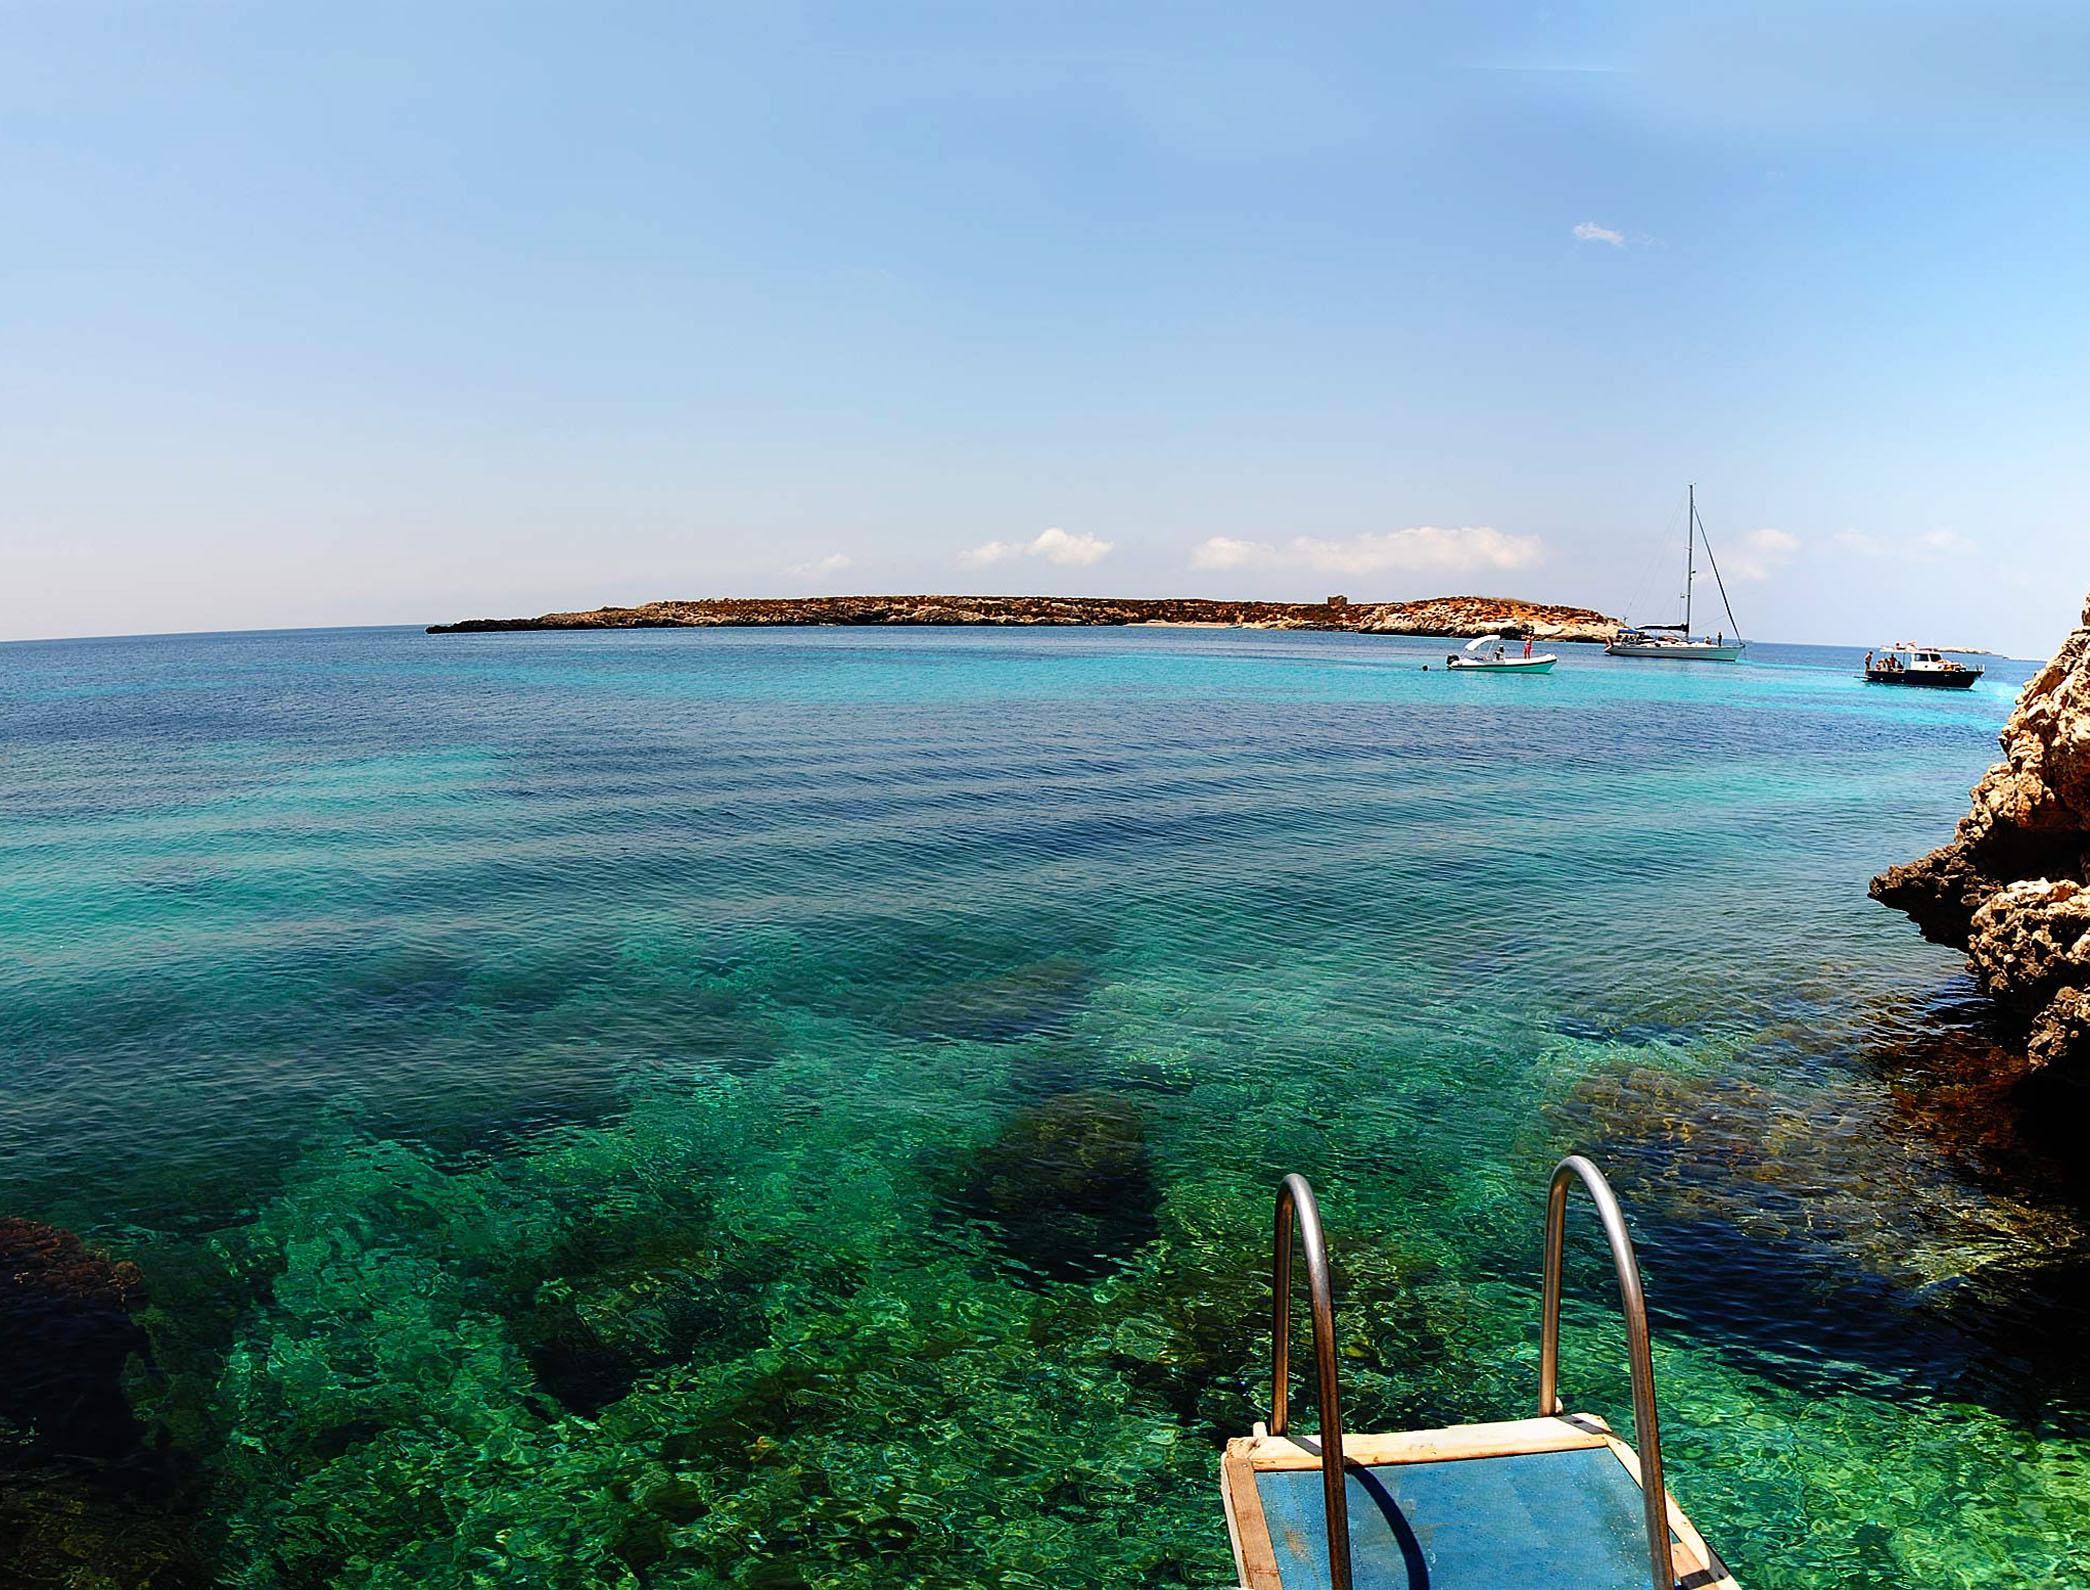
801 1108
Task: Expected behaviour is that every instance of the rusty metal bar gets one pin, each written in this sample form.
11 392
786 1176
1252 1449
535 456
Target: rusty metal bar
1296 1197
1647 1435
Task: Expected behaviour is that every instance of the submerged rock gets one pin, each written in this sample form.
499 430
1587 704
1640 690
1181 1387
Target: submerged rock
2009 887
589 1341
66 1333
1069 1184
1818 1229
68 1531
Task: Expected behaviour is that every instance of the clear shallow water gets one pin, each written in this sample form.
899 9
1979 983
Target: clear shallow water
782 1108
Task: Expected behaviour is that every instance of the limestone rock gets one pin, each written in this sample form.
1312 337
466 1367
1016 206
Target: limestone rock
2009 887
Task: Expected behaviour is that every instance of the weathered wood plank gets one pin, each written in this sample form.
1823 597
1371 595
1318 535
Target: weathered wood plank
1255 1555
1506 1439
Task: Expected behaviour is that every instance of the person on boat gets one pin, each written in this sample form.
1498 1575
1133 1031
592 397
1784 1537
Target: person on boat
1868 662
1527 645
1500 653
1450 658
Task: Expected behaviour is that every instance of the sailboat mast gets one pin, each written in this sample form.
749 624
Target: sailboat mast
1690 552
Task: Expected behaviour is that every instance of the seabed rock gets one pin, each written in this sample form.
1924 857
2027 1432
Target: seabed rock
61 1530
66 1333
2010 887
590 1341
1069 1184
83 1504
1831 1233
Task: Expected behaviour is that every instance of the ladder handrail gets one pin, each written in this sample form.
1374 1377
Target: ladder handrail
1295 1196
1633 1301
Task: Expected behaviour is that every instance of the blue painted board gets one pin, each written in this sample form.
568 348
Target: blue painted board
1540 1519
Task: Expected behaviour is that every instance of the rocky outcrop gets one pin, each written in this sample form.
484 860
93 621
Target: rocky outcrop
2010 887
1467 616
1460 616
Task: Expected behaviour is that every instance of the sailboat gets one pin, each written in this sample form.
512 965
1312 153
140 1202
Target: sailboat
1675 641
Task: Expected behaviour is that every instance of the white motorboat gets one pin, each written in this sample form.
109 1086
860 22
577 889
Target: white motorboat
1675 642
1499 661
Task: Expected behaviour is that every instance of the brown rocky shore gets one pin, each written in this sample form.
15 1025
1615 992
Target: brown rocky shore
2011 887
1461 616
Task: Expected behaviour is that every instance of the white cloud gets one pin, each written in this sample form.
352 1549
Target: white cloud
1230 552
1590 232
833 563
1054 546
1762 553
1421 549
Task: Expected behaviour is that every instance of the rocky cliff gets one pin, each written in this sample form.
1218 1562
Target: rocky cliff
1444 615
2010 888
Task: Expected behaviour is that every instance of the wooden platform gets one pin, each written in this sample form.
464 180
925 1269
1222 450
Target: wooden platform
1537 1503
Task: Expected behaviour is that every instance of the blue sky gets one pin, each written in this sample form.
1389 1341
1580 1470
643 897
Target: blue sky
364 314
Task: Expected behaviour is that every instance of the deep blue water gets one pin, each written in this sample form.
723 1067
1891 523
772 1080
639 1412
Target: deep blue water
800 1107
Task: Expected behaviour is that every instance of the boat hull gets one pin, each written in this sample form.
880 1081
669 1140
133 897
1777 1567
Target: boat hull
1512 665
1684 652
1924 678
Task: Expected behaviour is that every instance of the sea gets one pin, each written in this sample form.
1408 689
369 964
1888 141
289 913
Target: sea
802 1108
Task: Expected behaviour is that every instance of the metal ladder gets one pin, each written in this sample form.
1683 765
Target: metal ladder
1295 1202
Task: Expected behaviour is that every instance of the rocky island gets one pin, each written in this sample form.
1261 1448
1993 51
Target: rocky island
2011 887
1460 616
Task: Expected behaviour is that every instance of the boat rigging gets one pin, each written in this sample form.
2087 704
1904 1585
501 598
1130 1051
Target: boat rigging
1674 641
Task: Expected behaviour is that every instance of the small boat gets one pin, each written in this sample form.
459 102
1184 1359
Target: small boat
1500 662
1675 641
1923 666
1547 1501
